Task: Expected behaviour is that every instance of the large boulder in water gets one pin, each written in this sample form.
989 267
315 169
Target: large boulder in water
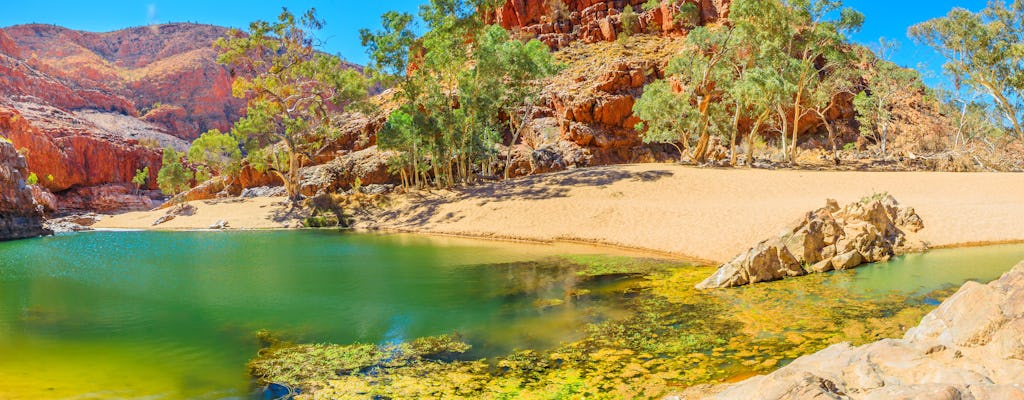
829 238
970 347
20 216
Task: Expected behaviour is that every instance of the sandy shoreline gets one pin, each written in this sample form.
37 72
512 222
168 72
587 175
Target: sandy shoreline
702 214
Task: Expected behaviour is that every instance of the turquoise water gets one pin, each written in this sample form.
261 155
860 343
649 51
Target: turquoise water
174 315
918 274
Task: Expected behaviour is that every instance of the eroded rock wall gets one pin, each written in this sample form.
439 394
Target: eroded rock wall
20 216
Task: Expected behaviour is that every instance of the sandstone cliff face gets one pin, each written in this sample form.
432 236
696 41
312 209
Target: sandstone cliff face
90 109
20 216
173 64
591 21
970 347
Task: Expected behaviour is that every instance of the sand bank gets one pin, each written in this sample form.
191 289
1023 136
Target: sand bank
703 214
709 214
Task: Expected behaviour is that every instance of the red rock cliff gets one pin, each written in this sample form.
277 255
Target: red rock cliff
591 21
19 215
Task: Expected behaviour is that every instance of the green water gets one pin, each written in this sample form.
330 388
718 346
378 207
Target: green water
173 315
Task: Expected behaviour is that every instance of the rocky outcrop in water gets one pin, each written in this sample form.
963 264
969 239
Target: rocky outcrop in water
971 347
20 216
829 238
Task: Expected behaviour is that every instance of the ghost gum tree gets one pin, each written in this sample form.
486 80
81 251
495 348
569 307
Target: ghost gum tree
984 51
469 84
293 96
783 58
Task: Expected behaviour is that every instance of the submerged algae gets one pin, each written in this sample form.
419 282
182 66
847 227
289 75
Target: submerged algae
674 337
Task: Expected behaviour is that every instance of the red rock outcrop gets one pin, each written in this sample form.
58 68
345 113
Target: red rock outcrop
143 67
591 21
89 109
20 216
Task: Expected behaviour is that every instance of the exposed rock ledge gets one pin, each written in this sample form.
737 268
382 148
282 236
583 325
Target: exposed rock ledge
970 347
20 216
829 238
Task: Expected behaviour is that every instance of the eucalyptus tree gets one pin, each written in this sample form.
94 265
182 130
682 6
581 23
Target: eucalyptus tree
215 153
467 84
686 109
293 96
984 51
173 177
887 82
817 45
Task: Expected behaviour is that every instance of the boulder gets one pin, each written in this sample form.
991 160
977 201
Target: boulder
970 347
369 166
826 239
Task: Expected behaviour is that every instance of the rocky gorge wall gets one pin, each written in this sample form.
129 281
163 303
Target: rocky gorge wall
89 109
20 216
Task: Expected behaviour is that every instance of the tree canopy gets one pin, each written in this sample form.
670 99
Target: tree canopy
294 95
984 51
470 83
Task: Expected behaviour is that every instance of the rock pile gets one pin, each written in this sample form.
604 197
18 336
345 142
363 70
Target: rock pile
970 347
871 230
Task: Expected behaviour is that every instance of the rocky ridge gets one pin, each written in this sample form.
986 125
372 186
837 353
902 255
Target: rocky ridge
970 347
20 216
829 238
562 22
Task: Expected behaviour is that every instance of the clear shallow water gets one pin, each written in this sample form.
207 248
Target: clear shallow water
173 315
918 274
135 314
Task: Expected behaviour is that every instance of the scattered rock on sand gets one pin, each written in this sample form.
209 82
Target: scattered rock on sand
829 238
73 223
219 225
970 347
183 210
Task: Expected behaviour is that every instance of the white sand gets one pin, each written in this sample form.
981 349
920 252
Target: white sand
709 214
704 214
255 213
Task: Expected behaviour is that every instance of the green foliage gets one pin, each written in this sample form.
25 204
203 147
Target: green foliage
688 15
630 22
173 177
983 52
667 117
294 96
775 58
874 106
462 97
140 178
215 153
32 179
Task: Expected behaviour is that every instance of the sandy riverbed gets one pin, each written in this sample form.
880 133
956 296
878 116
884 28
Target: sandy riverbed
706 214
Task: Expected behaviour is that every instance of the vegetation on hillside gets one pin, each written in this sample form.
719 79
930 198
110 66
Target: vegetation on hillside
461 93
462 86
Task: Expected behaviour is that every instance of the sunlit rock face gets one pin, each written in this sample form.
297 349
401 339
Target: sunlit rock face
89 109
968 348
20 217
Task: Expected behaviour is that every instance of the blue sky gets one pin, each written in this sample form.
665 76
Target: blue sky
344 19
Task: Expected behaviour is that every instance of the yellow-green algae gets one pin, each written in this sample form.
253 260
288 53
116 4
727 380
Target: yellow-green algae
675 336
